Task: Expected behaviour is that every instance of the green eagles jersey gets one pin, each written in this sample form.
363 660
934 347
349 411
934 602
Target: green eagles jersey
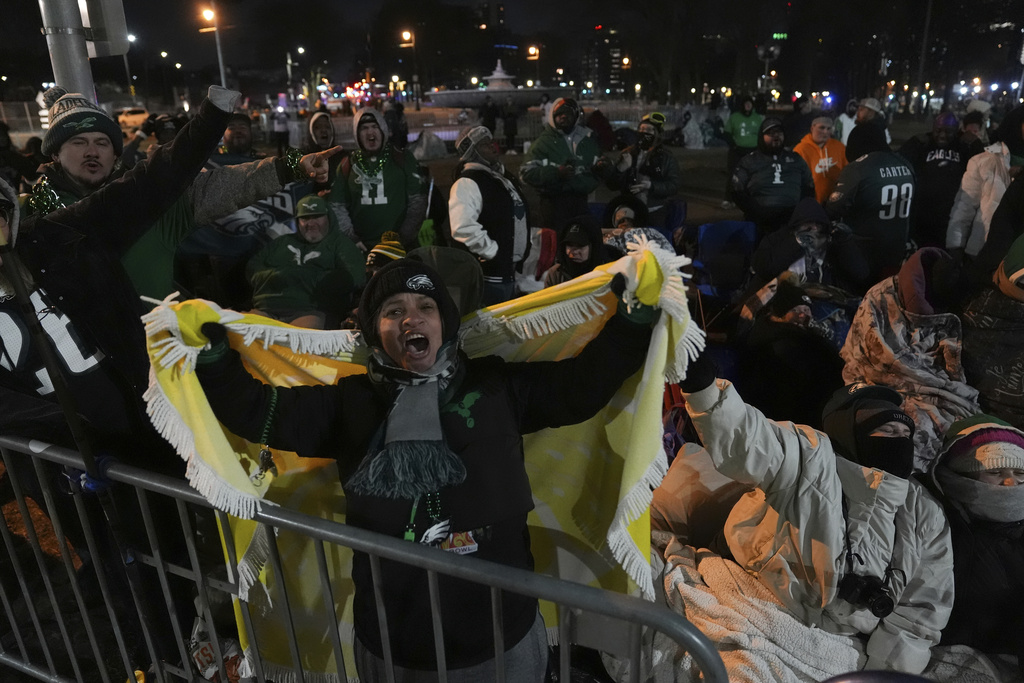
376 194
874 195
743 129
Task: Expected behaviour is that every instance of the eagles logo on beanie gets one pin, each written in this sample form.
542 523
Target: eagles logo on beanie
398 277
72 114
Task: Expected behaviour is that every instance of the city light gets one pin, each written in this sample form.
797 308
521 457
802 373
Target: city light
474 80
131 37
625 61
406 36
529 84
994 86
637 87
394 78
963 90
301 50
590 84
164 55
1015 85
177 65
533 53
208 14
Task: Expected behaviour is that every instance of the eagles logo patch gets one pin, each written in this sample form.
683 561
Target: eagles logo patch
419 282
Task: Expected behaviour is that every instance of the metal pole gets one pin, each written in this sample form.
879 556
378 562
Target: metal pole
65 39
128 73
415 74
216 36
924 54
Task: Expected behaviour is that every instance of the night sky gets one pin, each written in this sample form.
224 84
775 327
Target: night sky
254 31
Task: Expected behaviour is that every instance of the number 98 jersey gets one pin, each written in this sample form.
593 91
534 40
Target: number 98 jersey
873 196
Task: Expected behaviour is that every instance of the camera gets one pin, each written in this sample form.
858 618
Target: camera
866 591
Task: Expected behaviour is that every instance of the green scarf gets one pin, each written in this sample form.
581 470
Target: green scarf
415 459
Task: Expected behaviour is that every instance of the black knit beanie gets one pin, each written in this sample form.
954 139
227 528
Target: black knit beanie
405 275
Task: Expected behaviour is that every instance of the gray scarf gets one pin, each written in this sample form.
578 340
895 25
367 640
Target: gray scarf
414 459
988 502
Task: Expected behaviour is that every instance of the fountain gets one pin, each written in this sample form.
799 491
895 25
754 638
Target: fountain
499 86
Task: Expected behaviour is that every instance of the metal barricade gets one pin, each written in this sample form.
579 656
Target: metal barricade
109 602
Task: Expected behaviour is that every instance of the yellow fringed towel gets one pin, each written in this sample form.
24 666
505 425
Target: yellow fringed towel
591 482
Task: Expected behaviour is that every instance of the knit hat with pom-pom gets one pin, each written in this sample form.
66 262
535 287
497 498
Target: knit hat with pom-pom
72 114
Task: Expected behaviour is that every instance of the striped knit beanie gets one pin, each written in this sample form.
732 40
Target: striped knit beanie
983 442
72 114
389 249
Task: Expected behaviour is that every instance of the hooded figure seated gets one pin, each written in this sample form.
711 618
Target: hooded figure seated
905 336
978 478
580 249
307 276
811 247
835 528
625 219
788 369
993 324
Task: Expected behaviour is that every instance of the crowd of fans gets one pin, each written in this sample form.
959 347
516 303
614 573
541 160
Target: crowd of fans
869 375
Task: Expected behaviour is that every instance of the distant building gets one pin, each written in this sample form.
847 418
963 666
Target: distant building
603 63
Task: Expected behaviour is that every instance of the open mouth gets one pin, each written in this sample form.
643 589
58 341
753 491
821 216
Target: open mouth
416 344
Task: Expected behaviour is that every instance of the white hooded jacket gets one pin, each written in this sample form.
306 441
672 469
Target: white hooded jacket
791 532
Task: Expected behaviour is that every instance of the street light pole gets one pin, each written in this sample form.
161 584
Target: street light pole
65 39
410 41
216 37
128 71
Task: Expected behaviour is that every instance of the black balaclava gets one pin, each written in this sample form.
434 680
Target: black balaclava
854 412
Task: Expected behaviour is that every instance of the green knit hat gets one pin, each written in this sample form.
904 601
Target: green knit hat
72 114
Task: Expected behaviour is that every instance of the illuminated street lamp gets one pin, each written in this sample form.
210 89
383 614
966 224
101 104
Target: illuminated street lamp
410 41
533 55
127 70
211 16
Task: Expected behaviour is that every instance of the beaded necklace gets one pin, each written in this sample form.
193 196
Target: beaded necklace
363 162
434 511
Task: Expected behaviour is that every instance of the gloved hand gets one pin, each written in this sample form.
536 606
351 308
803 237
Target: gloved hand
638 313
218 336
149 125
222 98
700 374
